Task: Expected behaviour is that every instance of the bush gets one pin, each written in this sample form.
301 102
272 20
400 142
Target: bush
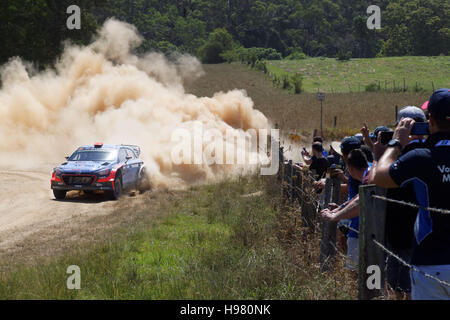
343 55
286 83
251 55
296 55
219 41
166 47
372 87
260 66
297 82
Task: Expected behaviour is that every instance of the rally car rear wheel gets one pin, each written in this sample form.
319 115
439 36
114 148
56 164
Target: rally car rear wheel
117 192
59 194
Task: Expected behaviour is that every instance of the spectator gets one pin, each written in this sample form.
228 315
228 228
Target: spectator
427 169
343 149
368 153
334 157
319 139
370 138
358 169
318 162
400 217
360 137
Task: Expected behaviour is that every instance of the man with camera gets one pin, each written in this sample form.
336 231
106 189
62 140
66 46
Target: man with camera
427 169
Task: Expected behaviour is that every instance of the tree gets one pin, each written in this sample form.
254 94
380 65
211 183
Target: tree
218 42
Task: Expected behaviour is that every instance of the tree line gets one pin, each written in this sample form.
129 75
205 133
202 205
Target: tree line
218 30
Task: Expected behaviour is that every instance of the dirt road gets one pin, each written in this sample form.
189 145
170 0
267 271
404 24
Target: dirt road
27 206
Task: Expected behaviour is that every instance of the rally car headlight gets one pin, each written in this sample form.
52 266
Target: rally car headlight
57 173
104 173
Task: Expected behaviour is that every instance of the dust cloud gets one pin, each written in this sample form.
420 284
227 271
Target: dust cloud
104 92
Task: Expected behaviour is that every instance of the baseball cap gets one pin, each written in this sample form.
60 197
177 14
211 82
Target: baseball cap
424 107
439 104
349 144
377 130
411 112
359 136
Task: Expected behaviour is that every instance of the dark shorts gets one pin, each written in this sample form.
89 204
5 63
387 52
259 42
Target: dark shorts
398 277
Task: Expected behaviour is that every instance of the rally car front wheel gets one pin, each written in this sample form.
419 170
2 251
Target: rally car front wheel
143 183
117 192
59 194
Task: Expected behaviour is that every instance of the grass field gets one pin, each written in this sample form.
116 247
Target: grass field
330 75
301 112
208 242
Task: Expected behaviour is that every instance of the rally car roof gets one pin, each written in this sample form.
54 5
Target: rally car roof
100 146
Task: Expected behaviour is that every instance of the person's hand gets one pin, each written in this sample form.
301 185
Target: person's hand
365 131
403 131
319 185
332 206
378 148
328 215
337 173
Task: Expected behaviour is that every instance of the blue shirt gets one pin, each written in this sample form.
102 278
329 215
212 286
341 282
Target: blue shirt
428 170
353 191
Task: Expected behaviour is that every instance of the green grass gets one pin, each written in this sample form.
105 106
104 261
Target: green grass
210 243
331 75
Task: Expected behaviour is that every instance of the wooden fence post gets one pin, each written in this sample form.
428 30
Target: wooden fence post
335 121
372 217
308 208
291 183
328 241
281 165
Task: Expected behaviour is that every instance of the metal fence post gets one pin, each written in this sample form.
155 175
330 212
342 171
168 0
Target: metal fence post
327 243
372 217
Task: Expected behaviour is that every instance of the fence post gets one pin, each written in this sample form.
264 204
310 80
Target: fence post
308 209
328 241
335 121
281 164
372 217
291 183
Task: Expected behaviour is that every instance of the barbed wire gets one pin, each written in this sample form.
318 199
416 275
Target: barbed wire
438 210
409 265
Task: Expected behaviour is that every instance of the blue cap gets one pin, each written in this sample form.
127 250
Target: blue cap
439 104
377 130
359 136
411 112
349 144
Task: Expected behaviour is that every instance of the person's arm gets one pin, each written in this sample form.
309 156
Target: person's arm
366 137
381 176
350 210
307 159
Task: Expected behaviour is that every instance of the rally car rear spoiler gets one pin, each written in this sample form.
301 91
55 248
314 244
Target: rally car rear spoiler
136 149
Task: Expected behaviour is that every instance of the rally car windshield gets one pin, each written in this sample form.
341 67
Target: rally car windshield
94 155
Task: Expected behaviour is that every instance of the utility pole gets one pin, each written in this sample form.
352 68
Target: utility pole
321 98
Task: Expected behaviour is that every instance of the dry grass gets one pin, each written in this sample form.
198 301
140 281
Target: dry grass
301 113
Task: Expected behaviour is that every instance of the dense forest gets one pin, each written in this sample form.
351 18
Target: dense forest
36 29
